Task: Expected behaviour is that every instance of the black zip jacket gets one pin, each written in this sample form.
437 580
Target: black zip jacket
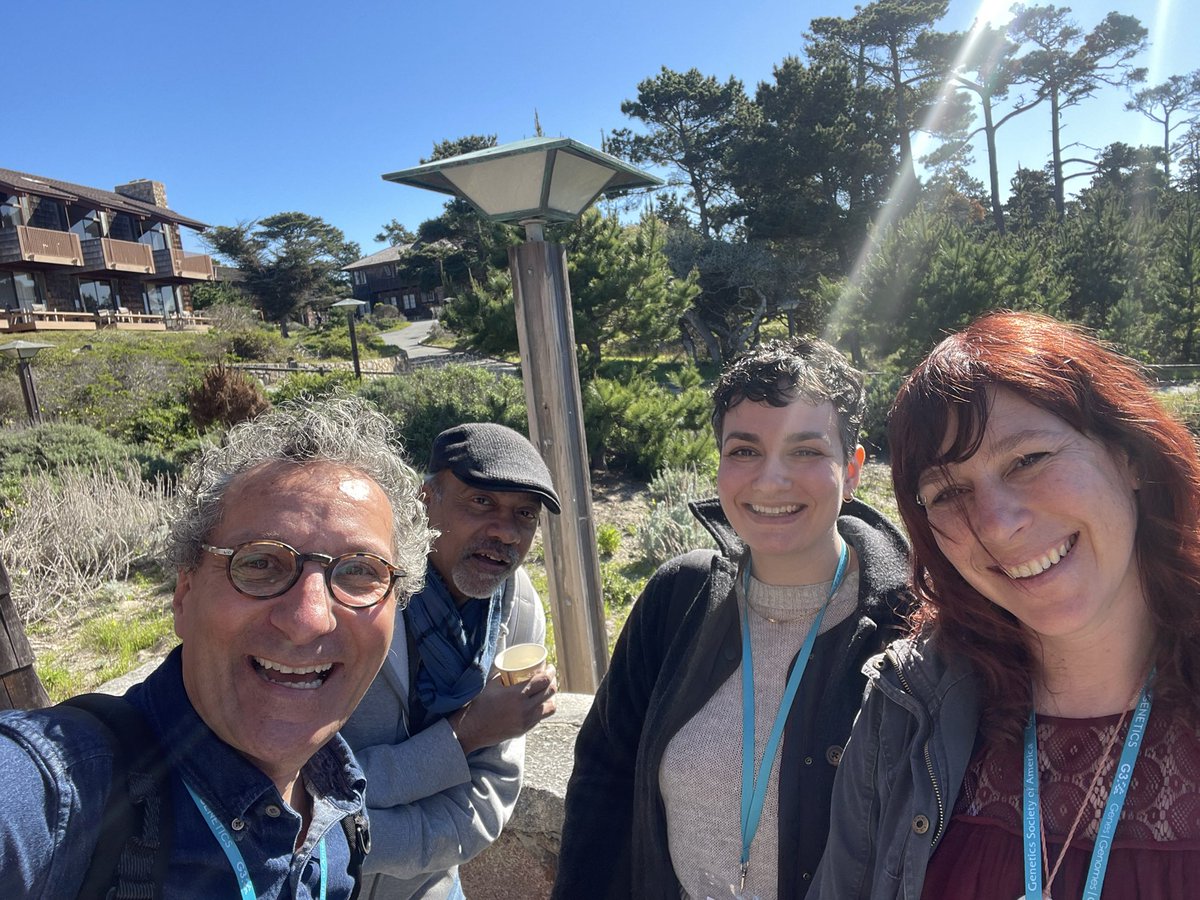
681 642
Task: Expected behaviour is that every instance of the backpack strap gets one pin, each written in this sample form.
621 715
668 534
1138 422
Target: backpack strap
358 837
132 854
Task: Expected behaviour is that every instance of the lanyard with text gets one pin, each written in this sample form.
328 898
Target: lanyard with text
1112 808
754 788
234 855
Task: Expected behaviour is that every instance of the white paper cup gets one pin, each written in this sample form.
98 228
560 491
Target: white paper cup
520 662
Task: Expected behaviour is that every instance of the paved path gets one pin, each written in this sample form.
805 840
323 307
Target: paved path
409 340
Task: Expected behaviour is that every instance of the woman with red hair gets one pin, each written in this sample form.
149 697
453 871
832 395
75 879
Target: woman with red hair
1040 731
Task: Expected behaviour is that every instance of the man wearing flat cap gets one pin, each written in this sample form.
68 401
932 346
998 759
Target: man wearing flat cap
442 742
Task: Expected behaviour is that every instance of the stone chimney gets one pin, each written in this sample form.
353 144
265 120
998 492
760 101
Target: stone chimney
144 189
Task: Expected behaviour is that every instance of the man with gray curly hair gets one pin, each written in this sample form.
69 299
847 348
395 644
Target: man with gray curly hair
295 542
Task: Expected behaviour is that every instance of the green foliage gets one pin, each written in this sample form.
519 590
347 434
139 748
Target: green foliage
483 316
257 345
427 401
386 317
314 385
332 340
619 589
638 426
608 539
52 449
623 293
287 259
207 295
670 528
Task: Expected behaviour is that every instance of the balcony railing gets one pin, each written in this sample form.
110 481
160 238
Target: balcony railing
45 246
50 320
110 255
171 263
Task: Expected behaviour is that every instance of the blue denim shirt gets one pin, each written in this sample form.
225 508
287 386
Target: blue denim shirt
55 773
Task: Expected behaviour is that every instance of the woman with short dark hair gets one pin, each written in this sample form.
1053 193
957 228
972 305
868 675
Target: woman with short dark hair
705 766
1040 731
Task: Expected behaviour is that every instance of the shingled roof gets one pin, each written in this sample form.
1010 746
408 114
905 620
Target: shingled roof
41 186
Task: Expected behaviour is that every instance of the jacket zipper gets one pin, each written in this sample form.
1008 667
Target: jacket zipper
937 791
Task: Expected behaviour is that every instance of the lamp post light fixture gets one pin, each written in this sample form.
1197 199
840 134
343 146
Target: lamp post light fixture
24 352
352 306
531 183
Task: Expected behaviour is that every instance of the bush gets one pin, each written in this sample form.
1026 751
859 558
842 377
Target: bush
225 396
75 529
332 340
426 402
639 427
670 528
387 317
881 391
314 385
608 539
257 345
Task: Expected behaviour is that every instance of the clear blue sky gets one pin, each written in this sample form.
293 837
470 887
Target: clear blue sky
244 109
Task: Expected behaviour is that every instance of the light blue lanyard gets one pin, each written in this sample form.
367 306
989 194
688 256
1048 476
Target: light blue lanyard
234 855
1112 808
754 788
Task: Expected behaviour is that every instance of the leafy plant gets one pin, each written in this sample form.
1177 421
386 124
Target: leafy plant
608 539
670 529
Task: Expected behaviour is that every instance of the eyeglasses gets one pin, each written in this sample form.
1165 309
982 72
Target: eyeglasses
266 569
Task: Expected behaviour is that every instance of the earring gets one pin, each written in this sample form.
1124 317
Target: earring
847 497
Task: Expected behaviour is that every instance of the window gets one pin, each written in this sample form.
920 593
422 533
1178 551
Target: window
161 299
410 301
360 277
20 290
387 272
156 235
91 223
94 295
11 211
45 212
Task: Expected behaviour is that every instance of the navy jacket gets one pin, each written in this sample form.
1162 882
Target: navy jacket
55 775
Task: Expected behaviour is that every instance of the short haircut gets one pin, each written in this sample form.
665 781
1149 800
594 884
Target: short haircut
1099 393
782 371
343 430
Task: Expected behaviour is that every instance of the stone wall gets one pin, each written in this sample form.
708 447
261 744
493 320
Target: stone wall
522 864
145 190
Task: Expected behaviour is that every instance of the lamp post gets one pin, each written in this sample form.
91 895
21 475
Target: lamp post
530 183
351 306
24 352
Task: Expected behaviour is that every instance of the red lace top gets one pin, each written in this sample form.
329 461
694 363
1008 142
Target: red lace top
1156 851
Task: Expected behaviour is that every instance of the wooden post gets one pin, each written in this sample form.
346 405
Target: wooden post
546 334
19 684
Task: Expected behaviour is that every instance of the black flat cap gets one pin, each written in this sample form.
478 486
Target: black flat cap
493 458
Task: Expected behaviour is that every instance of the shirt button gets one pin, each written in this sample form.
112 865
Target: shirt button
833 755
808 760
237 824
807 876
273 811
920 824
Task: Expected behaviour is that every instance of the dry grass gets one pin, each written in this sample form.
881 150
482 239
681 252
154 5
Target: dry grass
72 533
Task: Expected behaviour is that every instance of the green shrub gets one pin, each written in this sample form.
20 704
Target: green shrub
427 401
257 345
670 529
619 590
639 427
608 539
314 385
881 391
332 340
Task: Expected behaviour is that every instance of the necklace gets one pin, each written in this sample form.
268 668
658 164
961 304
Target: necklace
1112 806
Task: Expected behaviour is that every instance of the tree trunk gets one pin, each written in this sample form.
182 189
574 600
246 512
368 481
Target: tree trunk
1060 193
692 318
993 170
